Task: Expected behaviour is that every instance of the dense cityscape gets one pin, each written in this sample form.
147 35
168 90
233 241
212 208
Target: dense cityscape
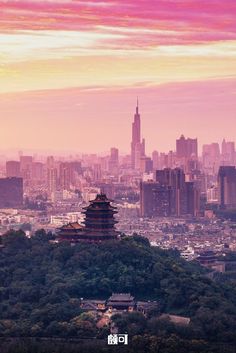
178 201
174 199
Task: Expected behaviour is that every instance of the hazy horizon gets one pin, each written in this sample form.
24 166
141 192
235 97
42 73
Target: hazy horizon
70 73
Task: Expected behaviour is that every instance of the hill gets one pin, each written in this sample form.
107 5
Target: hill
41 285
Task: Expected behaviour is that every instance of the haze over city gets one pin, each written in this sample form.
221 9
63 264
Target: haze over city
70 73
117 176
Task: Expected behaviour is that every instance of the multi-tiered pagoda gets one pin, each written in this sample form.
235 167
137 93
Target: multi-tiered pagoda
99 219
99 223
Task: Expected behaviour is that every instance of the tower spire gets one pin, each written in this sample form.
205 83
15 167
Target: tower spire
137 105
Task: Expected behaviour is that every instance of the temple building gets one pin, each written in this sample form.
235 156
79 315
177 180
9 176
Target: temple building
99 223
209 259
121 301
99 219
71 232
118 303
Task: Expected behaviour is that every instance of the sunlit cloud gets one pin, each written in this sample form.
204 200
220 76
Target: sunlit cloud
58 56
67 43
199 17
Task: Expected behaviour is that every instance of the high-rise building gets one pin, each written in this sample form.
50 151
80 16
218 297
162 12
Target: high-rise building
155 199
11 192
75 170
137 147
37 171
143 144
52 181
227 187
50 162
146 165
228 152
65 176
97 172
211 151
26 167
184 195
175 179
12 169
192 195
186 148
155 160
211 158
113 163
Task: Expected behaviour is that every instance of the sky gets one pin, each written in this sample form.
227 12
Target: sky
70 72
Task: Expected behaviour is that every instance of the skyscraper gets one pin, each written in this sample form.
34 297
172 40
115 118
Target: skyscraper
211 157
155 159
26 167
184 198
113 160
186 147
11 192
52 180
228 152
155 199
37 171
137 147
12 169
65 176
227 187
146 164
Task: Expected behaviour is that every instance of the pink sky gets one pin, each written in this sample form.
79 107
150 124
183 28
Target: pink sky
73 70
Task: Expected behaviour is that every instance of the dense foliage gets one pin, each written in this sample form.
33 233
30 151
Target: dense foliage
41 285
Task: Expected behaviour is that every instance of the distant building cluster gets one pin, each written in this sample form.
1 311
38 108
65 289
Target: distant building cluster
169 195
70 196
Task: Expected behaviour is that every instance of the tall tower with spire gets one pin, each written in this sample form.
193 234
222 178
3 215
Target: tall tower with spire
137 147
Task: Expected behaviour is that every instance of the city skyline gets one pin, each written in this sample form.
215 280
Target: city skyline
70 68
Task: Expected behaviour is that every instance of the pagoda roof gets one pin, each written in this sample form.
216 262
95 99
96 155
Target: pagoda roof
121 297
101 198
71 226
100 207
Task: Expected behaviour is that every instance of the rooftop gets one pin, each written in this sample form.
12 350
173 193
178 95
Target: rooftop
121 297
74 225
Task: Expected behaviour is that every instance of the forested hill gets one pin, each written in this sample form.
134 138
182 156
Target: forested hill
41 285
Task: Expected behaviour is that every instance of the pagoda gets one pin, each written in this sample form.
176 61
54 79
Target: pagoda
71 232
99 222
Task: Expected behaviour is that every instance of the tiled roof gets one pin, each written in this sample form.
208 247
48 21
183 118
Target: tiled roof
121 297
74 225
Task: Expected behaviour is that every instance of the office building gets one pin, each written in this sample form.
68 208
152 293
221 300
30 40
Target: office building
155 199
169 195
146 165
155 160
11 192
52 181
12 169
227 187
186 147
26 167
113 162
228 152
